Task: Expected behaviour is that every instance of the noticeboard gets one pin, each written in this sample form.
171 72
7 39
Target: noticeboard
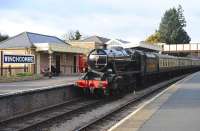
18 59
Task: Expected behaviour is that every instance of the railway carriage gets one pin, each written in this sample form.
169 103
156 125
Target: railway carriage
167 63
195 63
115 70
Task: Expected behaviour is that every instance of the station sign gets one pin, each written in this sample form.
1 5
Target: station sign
18 59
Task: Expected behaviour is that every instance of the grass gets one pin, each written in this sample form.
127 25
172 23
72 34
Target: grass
24 74
20 77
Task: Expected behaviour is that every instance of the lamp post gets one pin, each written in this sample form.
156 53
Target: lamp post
2 63
50 52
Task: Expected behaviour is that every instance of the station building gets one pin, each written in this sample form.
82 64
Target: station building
47 50
92 42
97 42
117 43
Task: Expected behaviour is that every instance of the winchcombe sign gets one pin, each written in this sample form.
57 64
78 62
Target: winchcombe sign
21 59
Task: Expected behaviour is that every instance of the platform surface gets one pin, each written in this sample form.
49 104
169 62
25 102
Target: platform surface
13 87
175 109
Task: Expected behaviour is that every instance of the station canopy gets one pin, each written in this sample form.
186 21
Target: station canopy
40 42
144 47
113 43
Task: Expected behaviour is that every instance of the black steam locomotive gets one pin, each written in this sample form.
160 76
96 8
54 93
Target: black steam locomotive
114 70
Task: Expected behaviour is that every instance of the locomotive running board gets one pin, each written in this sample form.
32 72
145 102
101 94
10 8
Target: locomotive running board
99 73
128 72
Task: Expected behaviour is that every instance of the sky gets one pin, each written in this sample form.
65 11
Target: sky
131 20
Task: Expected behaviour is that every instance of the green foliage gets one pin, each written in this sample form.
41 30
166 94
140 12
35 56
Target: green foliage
20 77
24 74
154 38
3 37
172 25
77 35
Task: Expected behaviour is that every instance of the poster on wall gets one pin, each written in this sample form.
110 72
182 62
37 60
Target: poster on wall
18 59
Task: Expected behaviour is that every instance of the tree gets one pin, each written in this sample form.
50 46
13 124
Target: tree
69 36
3 37
77 35
172 25
72 35
154 38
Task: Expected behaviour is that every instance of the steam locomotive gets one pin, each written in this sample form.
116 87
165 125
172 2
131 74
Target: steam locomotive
112 71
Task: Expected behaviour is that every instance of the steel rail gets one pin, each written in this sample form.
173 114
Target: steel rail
33 119
140 96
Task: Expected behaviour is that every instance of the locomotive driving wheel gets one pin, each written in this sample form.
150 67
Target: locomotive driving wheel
115 86
99 93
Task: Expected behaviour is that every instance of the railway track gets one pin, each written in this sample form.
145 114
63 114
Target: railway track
78 114
28 121
113 115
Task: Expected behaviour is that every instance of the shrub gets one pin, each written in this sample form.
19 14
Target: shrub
24 74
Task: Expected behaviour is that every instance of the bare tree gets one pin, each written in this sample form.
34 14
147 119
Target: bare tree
72 35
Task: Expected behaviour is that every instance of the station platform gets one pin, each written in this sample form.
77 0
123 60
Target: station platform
15 87
177 108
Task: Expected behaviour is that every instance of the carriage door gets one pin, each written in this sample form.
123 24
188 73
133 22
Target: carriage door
143 63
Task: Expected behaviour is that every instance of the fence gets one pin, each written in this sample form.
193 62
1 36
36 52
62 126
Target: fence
64 70
69 69
9 71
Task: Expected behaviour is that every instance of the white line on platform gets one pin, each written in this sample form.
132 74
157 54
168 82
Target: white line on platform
35 89
3 85
146 103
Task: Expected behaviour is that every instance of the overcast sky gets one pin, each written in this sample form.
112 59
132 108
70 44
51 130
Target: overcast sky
131 20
